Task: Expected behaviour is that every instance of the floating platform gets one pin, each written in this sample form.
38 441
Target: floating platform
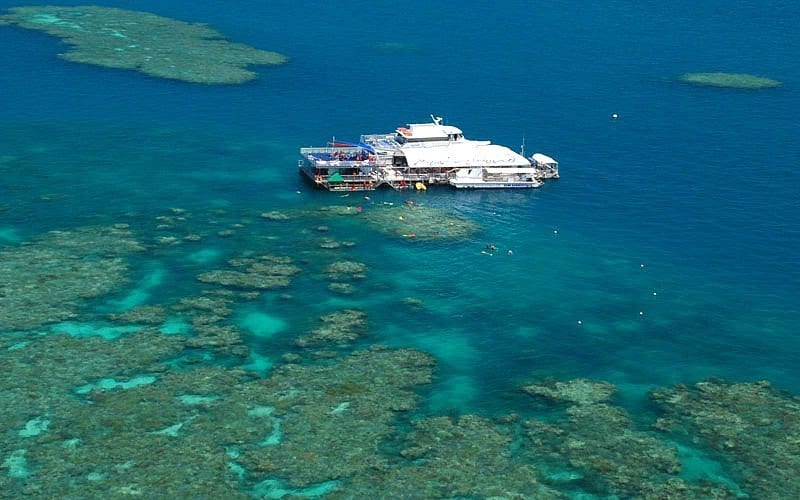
419 155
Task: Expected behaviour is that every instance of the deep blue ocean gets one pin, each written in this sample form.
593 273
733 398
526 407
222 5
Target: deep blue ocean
668 251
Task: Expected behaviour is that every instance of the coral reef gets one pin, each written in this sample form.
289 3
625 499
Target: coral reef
275 215
142 315
753 426
35 375
598 445
468 457
145 42
266 272
48 279
346 270
414 302
334 417
578 391
338 210
341 327
418 221
208 314
408 221
342 288
209 431
729 80
169 437
145 411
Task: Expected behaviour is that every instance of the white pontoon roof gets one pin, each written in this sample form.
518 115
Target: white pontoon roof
540 158
423 131
466 154
511 170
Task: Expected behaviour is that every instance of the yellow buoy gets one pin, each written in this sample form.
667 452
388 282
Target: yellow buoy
420 186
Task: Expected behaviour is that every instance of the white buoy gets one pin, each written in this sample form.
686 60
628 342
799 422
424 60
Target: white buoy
614 116
654 294
580 322
641 265
555 231
641 313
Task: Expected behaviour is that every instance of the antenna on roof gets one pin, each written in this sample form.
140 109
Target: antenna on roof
436 119
522 148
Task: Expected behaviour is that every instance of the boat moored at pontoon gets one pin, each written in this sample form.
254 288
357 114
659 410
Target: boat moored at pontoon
427 153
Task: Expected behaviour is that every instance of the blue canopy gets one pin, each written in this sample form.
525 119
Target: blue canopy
342 144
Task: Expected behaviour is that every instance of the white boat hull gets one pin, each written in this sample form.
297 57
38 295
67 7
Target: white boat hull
426 153
494 185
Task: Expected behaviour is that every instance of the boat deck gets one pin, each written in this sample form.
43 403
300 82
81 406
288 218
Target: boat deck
370 181
400 162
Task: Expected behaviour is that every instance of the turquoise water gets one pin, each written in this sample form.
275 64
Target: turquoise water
666 253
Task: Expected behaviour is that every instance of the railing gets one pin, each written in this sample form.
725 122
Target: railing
329 150
350 183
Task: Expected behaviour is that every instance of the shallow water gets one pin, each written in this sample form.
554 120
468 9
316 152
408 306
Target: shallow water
666 253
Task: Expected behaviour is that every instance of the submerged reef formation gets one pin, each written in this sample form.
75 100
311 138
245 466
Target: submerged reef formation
145 42
340 327
418 221
48 279
346 270
209 318
121 422
579 391
753 427
190 388
410 220
729 80
334 417
266 272
464 457
600 448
